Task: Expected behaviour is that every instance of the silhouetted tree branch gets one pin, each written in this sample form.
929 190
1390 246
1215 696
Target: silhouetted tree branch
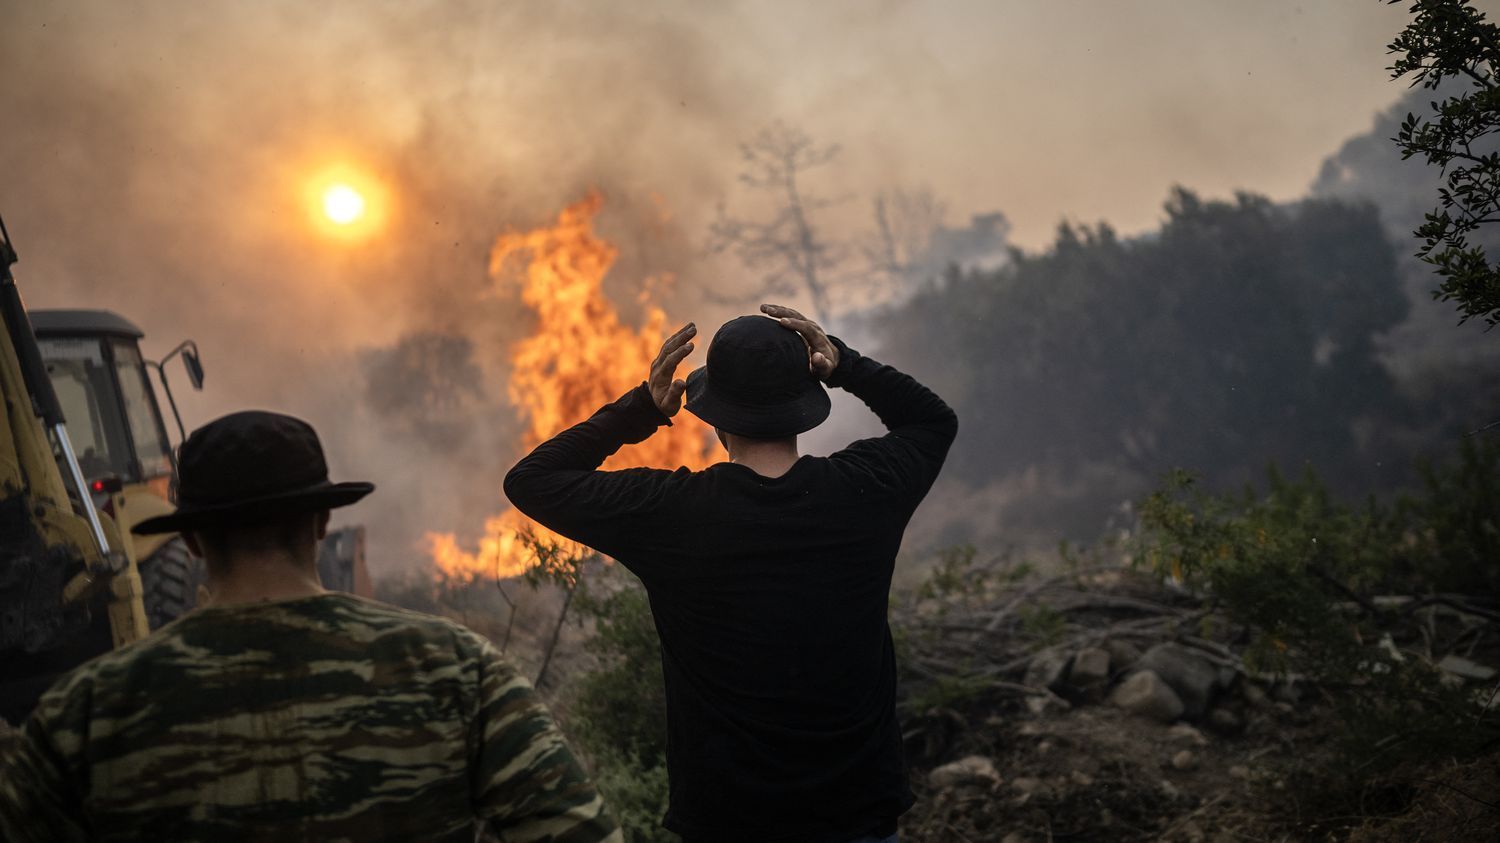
786 247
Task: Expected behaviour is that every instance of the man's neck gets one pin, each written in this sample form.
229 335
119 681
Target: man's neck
260 580
768 458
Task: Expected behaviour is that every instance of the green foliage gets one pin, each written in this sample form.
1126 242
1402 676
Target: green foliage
554 561
1458 544
1451 40
623 704
1042 623
636 792
954 690
619 711
953 574
1270 559
1297 568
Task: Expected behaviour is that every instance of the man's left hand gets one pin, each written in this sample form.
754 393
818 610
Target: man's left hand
666 388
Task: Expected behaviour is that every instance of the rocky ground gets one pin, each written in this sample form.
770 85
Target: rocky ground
1103 706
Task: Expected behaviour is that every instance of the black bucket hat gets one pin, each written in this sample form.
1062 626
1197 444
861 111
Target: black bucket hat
250 465
757 382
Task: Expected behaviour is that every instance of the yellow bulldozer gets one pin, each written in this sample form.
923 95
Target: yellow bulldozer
85 455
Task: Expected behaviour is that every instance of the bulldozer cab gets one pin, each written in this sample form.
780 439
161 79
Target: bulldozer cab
95 365
84 456
120 435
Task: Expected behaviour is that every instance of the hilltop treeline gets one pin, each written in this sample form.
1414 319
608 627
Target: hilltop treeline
1242 334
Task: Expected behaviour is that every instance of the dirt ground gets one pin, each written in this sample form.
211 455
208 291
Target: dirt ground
1097 773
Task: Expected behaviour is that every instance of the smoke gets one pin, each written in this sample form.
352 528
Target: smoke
1368 167
153 162
153 159
427 388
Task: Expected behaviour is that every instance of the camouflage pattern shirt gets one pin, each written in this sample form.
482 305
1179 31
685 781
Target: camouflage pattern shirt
322 718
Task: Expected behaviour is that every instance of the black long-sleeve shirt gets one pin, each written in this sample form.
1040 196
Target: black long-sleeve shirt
770 599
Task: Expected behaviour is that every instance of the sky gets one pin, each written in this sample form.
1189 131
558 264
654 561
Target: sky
155 159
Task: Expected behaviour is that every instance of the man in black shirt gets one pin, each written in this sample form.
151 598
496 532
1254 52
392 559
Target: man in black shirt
768 575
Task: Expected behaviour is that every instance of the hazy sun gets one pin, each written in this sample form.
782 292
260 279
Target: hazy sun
343 204
346 202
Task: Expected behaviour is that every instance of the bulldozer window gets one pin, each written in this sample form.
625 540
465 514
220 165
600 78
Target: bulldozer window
82 380
146 429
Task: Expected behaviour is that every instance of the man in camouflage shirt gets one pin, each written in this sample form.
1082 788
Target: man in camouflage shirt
283 712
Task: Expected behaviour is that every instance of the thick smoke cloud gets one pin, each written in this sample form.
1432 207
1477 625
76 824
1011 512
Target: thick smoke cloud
152 161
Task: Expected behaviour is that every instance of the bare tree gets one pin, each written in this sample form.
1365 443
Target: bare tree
906 224
787 247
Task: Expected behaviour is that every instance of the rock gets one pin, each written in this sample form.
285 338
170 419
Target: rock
1048 669
1044 747
1122 655
1254 694
1226 677
1287 692
1145 694
975 769
1460 666
1184 733
1225 721
1193 676
1040 704
1027 785
1388 645
1184 760
1088 678
1240 771
1081 778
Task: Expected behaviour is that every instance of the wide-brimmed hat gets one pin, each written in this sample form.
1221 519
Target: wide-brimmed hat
757 382
247 466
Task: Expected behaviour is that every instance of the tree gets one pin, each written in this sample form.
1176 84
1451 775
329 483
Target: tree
1450 40
1243 332
786 247
907 224
907 246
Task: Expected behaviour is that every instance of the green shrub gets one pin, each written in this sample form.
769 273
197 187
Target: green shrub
623 704
1276 562
619 711
636 793
1298 569
1456 523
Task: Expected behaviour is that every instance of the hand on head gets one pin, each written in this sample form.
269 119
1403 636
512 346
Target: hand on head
823 357
666 388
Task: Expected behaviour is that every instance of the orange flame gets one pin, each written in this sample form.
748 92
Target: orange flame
579 358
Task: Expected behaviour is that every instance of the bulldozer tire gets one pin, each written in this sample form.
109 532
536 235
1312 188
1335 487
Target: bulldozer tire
169 582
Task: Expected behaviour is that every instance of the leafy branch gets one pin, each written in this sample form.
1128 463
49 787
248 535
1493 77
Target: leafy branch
1450 40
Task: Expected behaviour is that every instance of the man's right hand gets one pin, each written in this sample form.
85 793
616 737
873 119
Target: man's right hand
666 388
822 356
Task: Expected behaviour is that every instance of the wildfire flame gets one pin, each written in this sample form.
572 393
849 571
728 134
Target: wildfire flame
580 357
